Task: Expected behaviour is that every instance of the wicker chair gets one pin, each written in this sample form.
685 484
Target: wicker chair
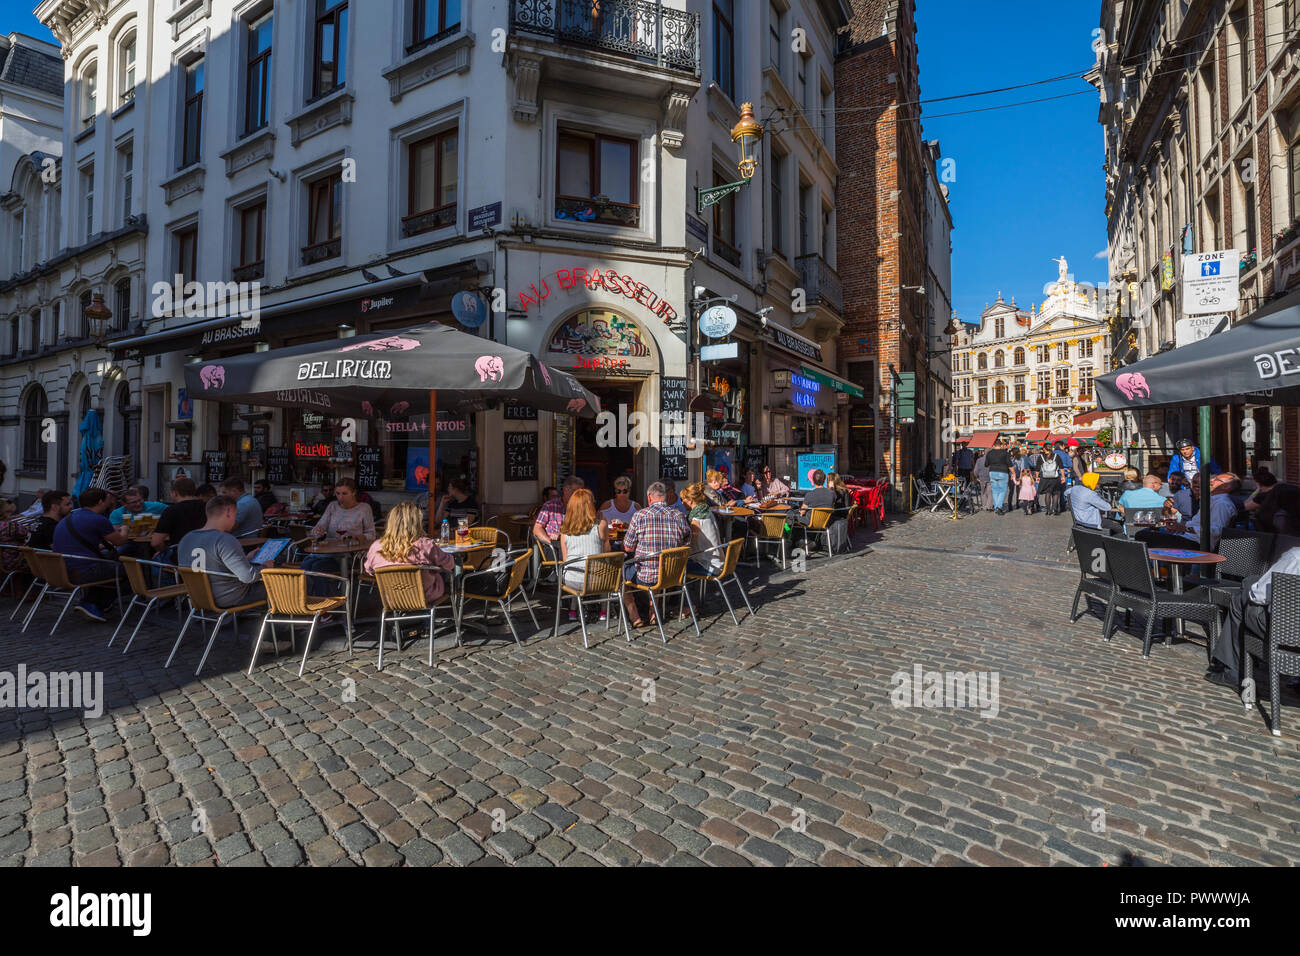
1094 578
1283 651
725 575
772 535
494 537
819 523
1248 553
546 558
52 570
203 605
671 580
144 595
473 588
26 568
1135 588
289 603
401 598
602 580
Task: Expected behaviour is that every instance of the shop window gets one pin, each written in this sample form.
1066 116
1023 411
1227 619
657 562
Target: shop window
433 183
596 178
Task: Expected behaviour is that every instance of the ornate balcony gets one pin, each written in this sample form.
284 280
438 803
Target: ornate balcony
821 282
428 221
250 272
600 209
320 251
637 29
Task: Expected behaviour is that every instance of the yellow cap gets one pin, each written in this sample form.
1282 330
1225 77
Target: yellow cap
1090 480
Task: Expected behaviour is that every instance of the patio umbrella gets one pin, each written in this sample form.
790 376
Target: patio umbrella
92 450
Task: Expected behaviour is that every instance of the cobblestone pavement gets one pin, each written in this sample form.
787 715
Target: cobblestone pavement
771 743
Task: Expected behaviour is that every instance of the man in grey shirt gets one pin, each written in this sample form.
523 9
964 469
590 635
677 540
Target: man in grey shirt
248 512
214 548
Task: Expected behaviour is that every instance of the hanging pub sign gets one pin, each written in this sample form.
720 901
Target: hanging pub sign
469 309
369 474
214 467
609 281
521 456
718 321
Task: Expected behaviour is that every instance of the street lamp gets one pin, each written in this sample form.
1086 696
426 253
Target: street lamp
98 316
747 134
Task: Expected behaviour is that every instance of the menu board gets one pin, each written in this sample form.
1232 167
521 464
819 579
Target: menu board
277 466
214 467
756 458
261 435
369 469
562 430
521 456
519 412
673 461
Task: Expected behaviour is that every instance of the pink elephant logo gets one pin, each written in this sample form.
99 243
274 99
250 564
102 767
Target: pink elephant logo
546 373
490 367
368 410
1133 385
576 405
393 343
401 408
212 376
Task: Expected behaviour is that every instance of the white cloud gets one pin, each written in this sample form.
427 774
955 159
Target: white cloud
1104 254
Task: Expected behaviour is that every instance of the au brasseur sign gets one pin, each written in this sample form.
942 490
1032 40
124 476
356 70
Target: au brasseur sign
608 280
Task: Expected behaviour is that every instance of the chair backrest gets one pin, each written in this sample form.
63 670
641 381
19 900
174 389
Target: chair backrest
819 518
517 572
603 573
1247 553
286 590
475 557
485 534
297 532
731 557
401 588
198 587
1129 566
773 525
672 567
50 568
135 575
1284 610
1088 547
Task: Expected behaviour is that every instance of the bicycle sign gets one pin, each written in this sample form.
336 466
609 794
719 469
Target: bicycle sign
1210 282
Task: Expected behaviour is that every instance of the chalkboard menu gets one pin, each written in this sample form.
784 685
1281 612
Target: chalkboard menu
369 472
562 430
521 456
277 466
257 449
756 457
214 467
519 412
672 430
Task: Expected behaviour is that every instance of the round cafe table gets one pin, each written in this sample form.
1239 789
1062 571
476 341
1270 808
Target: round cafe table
1176 558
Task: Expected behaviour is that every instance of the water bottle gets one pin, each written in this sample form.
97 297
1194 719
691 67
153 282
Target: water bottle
446 531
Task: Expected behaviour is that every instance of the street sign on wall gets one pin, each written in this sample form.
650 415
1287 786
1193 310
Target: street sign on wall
1187 331
1211 282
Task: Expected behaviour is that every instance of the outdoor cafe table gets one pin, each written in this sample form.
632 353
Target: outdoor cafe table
947 495
1176 558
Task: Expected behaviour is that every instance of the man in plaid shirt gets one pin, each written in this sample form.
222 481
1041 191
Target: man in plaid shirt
652 529
546 526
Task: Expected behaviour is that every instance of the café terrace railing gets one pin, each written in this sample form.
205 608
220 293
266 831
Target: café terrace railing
640 29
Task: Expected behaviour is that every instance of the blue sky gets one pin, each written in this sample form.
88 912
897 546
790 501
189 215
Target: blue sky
1029 184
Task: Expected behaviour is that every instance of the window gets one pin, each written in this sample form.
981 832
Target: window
828 235
1019 358
984 418
1000 328
1020 388
433 183
257 74
999 359
1062 382
126 168
330 67
1241 50
34 331
778 224
126 69
1000 393
965 362
801 82
192 114
1293 163
434 19
251 253
1043 353
724 43
324 219
983 391
1085 382
1044 418
1020 418
724 224
122 305
1044 385
774 43
35 450
88 200
186 248
596 178
983 362
1063 351
56 321
1251 213
89 94
805 239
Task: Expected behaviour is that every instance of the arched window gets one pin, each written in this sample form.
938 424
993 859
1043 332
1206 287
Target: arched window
35 410
1020 356
983 362
984 418
1000 392
126 69
1000 418
122 305
999 359
1020 418
89 93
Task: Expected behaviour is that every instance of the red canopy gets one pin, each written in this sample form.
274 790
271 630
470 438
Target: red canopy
981 439
1087 418
1038 437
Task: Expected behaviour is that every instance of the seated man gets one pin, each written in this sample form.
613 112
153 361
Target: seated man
819 497
457 503
248 513
1181 494
546 526
1145 498
180 518
135 503
1247 614
1087 506
57 505
653 529
1223 511
671 498
264 495
87 533
322 500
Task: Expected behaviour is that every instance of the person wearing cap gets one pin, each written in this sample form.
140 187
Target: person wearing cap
1087 506
1188 461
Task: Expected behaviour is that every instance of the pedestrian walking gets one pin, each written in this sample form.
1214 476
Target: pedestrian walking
965 462
1049 483
1028 491
981 471
999 465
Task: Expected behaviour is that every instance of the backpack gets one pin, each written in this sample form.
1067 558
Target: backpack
1050 467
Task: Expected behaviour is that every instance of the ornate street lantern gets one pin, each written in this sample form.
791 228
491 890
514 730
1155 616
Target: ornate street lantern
98 316
747 134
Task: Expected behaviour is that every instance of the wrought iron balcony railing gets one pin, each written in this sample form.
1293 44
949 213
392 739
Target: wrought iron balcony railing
821 282
640 29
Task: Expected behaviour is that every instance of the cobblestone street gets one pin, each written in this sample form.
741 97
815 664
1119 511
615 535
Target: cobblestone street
771 743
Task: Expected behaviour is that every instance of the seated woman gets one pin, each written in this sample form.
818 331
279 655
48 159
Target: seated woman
704 533
344 517
842 497
749 485
621 507
772 489
405 542
583 533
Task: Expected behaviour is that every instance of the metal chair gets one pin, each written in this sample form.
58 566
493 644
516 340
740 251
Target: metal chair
52 569
1094 578
401 598
198 588
1135 588
546 558
36 582
143 594
724 575
502 593
22 568
602 580
927 495
671 579
772 535
289 603
488 535
819 523
1283 651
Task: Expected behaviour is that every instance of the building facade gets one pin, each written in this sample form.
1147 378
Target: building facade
941 423
351 174
1028 374
1200 102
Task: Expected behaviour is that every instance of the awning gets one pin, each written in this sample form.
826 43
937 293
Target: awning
1087 418
1256 361
980 439
830 381
1087 435
1041 435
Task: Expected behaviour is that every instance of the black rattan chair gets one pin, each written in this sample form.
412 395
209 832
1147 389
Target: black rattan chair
1283 643
1248 554
1135 589
1094 578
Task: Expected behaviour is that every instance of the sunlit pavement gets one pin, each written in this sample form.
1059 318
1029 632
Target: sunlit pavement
772 742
